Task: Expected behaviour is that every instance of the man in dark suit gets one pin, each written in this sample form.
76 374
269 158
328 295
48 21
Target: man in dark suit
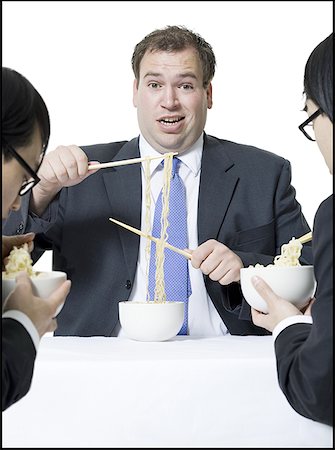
25 130
241 205
304 342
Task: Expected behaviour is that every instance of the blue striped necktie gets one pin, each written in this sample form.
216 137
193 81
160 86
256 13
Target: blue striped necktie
176 272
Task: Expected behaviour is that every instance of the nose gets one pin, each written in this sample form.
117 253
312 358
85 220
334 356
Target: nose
170 98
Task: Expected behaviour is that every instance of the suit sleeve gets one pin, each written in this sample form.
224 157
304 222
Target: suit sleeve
305 352
18 359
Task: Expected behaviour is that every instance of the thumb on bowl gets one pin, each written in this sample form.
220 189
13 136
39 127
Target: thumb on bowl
22 278
263 289
57 298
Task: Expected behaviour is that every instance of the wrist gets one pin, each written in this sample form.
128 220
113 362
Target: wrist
41 197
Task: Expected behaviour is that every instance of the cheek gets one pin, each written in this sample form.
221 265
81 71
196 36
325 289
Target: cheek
323 137
10 188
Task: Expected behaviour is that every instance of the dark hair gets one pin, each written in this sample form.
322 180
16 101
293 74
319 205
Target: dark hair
318 78
22 109
176 38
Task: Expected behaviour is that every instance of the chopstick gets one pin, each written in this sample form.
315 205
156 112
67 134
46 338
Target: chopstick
305 238
124 162
152 238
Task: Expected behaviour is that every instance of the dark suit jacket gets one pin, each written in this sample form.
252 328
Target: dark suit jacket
245 201
18 359
305 352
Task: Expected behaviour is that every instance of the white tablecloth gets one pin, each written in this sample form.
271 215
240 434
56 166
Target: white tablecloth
114 392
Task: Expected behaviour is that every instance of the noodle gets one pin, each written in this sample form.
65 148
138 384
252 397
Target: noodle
289 256
147 226
159 293
19 261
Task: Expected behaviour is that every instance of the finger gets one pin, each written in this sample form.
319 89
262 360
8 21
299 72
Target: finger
23 238
91 163
257 317
61 165
264 289
64 165
23 279
231 276
53 325
30 241
75 161
23 285
308 311
218 272
200 254
254 314
57 298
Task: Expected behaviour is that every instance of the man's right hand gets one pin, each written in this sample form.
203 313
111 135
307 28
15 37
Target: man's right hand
62 167
41 311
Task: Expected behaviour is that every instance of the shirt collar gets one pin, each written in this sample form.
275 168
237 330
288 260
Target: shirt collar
191 157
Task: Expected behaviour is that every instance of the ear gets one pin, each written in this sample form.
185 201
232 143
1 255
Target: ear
209 96
135 92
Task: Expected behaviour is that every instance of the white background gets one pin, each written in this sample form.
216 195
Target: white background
78 56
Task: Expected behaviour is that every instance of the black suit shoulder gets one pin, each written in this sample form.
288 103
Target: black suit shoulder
18 359
238 152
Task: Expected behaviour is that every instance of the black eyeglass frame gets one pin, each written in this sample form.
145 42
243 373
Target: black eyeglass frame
307 122
29 184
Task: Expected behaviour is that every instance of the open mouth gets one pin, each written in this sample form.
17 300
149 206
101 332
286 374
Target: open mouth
170 120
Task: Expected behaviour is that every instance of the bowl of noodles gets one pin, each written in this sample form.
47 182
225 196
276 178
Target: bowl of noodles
43 283
151 320
286 277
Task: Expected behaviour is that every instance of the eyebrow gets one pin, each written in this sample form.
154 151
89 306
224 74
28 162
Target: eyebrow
181 75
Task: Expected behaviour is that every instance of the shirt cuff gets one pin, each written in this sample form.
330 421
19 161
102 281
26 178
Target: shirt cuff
290 321
26 323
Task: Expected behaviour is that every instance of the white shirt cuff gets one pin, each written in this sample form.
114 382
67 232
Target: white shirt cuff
26 322
290 321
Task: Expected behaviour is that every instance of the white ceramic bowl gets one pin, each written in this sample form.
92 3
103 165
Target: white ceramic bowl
44 283
151 321
295 284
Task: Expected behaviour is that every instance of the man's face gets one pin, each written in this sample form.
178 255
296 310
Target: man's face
170 99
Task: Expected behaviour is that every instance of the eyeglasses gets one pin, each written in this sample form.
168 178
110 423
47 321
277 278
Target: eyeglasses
310 134
29 184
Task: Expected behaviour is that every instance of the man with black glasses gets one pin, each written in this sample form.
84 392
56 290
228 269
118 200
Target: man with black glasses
26 318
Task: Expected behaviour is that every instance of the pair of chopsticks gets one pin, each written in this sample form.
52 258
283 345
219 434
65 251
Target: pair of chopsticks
305 238
148 236
124 162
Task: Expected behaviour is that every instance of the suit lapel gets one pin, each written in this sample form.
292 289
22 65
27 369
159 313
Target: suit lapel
123 185
217 184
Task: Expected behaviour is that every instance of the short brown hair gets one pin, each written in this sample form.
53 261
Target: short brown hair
176 38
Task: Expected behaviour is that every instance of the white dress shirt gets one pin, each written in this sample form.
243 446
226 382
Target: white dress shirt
203 319
290 321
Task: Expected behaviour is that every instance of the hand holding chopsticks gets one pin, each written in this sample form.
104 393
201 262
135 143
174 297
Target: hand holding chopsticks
125 162
152 238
